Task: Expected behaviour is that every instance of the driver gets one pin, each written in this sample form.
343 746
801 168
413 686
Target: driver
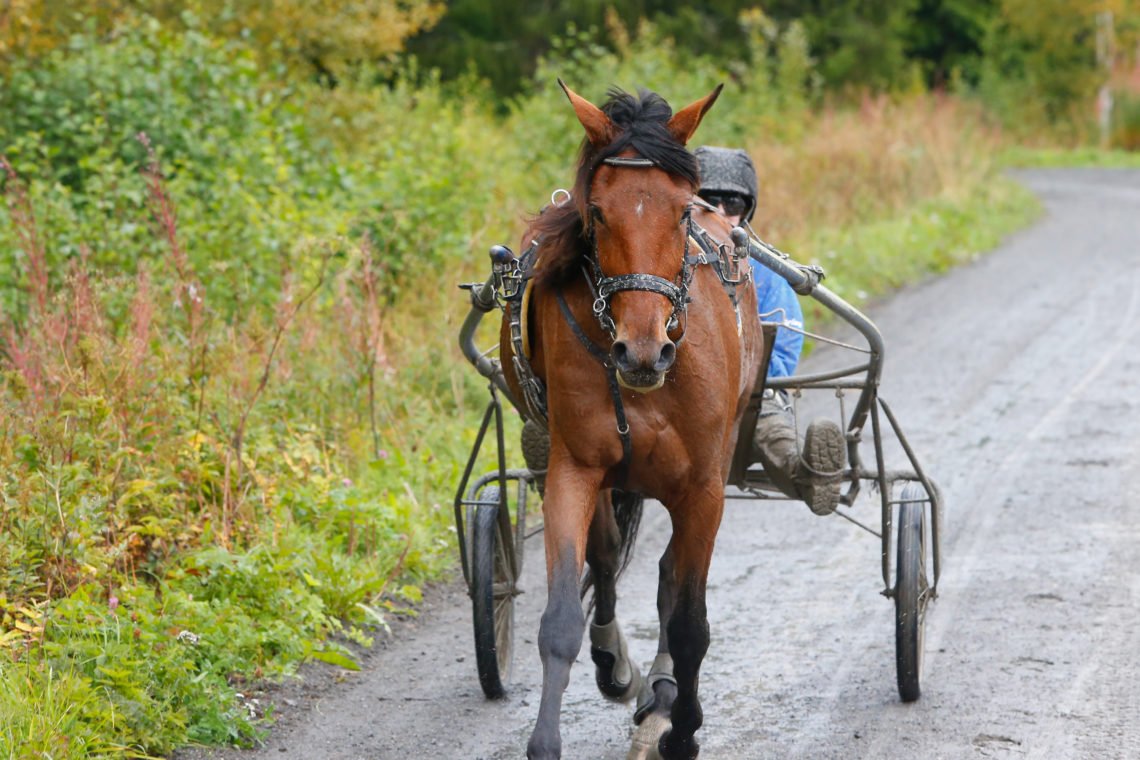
728 181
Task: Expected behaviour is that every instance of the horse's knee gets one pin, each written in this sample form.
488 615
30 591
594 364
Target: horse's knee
560 631
562 624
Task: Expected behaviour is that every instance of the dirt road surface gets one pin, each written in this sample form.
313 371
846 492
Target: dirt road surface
1017 379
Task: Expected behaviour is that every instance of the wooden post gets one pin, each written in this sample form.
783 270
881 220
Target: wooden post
1105 58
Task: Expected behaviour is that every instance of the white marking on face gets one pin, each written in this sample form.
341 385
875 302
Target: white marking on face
640 208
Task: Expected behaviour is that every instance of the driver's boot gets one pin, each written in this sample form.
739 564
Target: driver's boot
535 440
813 475
821 466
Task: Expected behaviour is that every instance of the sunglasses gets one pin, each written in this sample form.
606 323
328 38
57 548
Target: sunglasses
733 204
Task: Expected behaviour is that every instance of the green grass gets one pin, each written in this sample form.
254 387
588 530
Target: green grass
867 261
1043 158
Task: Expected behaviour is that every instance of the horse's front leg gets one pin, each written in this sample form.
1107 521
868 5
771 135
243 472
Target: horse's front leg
567 511
615 672
696 519
659 688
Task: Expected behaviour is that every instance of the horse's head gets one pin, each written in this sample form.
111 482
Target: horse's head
635 186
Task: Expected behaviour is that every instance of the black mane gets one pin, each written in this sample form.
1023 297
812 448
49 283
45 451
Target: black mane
642 126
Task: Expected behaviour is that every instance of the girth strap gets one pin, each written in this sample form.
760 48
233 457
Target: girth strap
615 390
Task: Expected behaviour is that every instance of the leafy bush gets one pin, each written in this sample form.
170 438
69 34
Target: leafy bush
240 157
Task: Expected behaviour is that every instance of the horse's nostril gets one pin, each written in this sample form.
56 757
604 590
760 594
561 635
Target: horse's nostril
665 359
620 353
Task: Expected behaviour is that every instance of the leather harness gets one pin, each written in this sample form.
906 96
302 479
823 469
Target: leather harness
723 257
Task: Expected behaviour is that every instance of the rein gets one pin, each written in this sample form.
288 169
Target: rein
611 378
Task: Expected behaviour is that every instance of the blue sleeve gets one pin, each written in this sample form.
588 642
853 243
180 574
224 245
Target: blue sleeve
777 302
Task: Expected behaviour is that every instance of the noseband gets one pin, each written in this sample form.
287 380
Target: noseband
676 290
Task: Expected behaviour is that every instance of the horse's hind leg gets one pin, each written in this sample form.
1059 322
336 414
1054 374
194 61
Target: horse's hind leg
567 511
617 676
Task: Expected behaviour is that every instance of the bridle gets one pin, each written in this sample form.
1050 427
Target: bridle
603 286
676 290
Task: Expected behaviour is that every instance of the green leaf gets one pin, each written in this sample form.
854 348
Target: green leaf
333 657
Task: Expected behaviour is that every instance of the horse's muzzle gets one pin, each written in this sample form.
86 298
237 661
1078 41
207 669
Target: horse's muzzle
641 365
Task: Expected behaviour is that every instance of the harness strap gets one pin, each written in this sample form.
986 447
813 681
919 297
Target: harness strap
676 290
635 162
611 379
516 301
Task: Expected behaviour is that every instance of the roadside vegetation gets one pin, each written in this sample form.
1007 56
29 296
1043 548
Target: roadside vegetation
232 412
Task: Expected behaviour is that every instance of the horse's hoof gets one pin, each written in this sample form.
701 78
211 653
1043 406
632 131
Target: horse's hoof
643 746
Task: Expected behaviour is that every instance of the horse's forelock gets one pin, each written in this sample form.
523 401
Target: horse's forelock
643 124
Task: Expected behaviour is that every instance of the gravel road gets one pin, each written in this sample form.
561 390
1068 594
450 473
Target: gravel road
1017 380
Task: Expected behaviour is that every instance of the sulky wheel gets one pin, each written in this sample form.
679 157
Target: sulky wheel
492 592
912 590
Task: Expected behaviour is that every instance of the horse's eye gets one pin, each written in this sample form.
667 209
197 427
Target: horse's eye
596 215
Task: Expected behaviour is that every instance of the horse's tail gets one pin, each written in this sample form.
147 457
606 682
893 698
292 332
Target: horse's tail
627 513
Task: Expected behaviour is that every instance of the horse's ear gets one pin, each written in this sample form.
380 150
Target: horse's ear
599 129
685 122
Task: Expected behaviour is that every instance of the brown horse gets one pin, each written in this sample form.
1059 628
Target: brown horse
648 352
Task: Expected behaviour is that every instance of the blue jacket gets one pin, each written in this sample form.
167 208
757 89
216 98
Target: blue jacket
777 302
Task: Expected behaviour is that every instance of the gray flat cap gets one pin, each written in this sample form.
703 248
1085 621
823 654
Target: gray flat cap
728 170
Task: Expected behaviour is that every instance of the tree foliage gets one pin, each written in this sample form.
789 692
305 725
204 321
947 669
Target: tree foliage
1041 59
947 37
503 40
30 28
857 42
325 37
